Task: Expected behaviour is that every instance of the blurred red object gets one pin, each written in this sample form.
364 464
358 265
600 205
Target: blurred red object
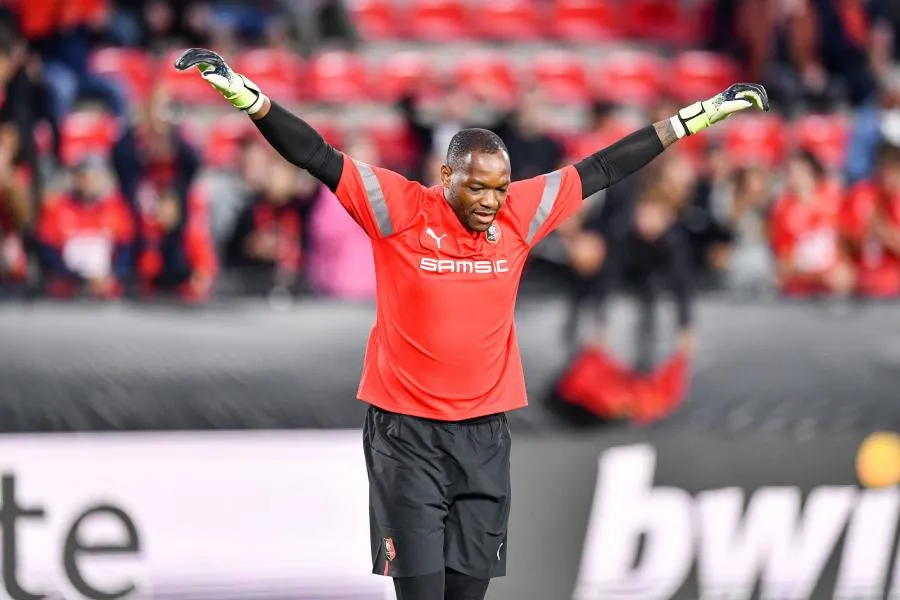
630 78
186 86
337 76
604 386
375 19
582 146
85 133
438 20
487 74
697 75
223 141
509 20
393 143
755 139
332 132
132 67
826 136
598 383
657 20
586 20
562 76
278 72
403 73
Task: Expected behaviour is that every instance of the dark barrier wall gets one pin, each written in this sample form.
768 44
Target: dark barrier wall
777 368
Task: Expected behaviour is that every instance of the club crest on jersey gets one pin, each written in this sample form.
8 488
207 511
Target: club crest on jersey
493 233
389 550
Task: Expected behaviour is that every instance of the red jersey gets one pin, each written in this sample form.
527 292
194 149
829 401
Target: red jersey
877 267
444 345
806 233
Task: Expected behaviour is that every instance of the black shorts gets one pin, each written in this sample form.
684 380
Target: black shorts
439 494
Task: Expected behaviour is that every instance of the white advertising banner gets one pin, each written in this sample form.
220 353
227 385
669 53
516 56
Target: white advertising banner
219 515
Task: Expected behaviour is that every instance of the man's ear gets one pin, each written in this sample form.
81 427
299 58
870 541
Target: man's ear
446 175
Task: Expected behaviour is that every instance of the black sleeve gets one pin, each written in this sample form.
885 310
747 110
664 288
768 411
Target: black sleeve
610 165
302 145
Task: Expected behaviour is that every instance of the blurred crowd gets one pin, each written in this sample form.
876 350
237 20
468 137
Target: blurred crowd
804 202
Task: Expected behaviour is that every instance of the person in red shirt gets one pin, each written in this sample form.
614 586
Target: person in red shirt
442 365
86 236
804 232
870 224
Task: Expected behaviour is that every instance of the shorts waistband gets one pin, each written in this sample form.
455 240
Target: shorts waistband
473 421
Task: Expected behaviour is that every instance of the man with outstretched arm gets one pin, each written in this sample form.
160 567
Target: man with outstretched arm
442 365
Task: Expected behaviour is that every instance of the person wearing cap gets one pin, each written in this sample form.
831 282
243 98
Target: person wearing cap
86 234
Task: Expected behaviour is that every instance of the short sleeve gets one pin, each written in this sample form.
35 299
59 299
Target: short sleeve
540 204
381 201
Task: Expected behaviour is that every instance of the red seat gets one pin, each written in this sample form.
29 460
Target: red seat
586 20
338 76
84 133
633 78
186 86
698 75
826 136
131 67
402 73
562 76
657 20
374 19
508 20
223 140
755 139
490 74
438 20
278 72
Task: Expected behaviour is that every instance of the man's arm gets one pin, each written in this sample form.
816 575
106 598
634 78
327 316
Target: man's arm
633 152
290 135
299 143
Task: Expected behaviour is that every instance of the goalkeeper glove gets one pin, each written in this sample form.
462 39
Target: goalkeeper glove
242 93
700 115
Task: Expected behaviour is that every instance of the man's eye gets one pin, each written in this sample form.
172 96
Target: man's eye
475 188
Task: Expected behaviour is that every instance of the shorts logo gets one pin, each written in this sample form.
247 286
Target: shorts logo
493 233
389 549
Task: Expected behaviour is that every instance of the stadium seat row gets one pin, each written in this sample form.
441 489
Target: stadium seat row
519 20
763 139
636 78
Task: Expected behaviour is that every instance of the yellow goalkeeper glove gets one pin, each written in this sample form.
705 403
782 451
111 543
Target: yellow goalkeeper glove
242 93
700 115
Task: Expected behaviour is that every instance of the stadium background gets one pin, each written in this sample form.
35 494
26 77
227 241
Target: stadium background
198 294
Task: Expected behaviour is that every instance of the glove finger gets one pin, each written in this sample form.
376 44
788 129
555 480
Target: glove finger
216 80
752 96
197 56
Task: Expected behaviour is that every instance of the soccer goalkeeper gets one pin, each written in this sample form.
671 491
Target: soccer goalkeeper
442 365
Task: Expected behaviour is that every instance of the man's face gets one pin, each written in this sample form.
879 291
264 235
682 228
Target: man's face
477 190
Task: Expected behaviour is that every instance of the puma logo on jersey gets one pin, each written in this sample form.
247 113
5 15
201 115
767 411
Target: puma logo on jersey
435 265
437 240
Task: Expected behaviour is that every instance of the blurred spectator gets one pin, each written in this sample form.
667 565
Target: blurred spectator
265 248
748 257
877 118
708 221
532 151
804 229
26 102
870 223
63 34
340 254
86 235
152 154
176 251
15 212
646 252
